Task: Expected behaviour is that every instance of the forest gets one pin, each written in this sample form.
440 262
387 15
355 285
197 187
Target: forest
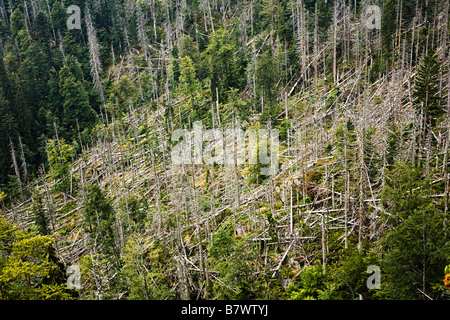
224 150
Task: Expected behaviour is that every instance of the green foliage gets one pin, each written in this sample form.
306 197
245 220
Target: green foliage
194 106
189 83
273 233
232 258
121 92
237 104
76 104
267 75
34 71
40 217
345 150
59 155
418 246
136 210
255 170
347 278
392 147
143 270
93 268
426 92
173 73
372 160
99 219
189 48
388 25
222 244
224 70
283 128
17 22
58 15
406 190
310 286
25 266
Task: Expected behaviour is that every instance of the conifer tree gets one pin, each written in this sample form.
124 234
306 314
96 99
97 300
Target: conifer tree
426 93
75 98
224 70
267 72
99 219
17 22
417 245
25 267
40 217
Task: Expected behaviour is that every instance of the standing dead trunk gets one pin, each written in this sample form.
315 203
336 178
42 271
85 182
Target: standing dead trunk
324 249
347 188
16 168
445 164
94 51
335 24
24 163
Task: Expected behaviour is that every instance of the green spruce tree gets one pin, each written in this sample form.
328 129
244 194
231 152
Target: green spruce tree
417 245
427 98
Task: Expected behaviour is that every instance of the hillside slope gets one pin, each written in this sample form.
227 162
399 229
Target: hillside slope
360 156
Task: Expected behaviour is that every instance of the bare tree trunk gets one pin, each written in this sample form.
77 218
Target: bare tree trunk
445 164
16 168
324 249
347 188
158 196
184 289
335 24
24 162
94 50
316 45
302 38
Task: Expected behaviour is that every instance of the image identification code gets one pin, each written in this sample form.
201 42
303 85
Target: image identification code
230 309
